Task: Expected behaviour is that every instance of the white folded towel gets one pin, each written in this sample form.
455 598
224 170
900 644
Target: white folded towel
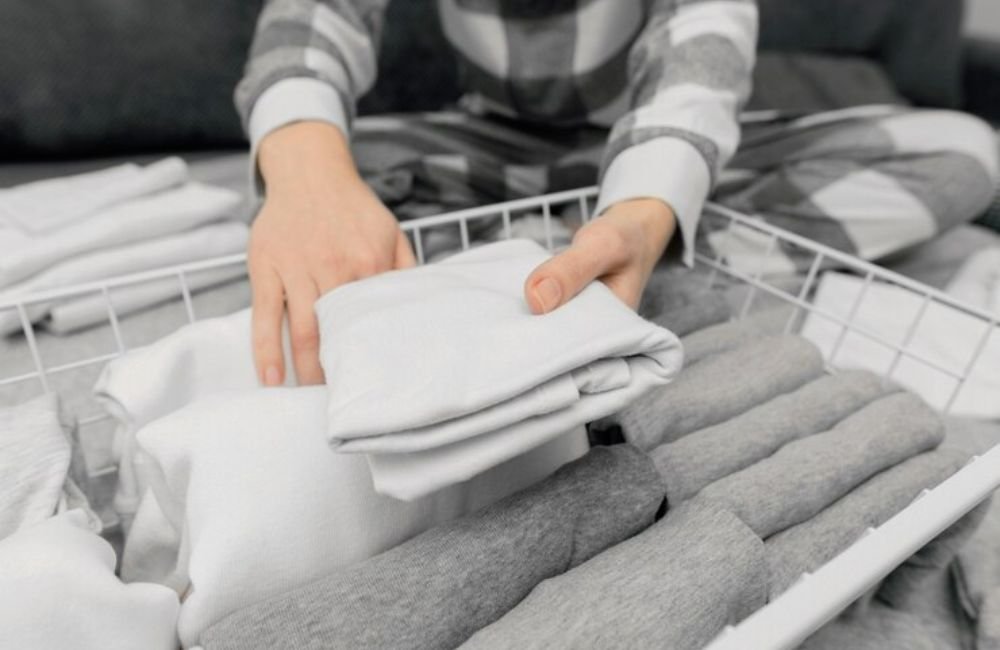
23 253
92 309
60 591
441 372
54 203
978 280
247 500
947 337
212 240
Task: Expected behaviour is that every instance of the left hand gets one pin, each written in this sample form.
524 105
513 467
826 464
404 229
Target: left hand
619 248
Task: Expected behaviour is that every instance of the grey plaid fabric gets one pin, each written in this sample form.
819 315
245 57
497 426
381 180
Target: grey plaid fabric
668 75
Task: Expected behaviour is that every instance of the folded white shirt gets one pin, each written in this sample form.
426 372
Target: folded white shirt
43 206
60 591
212 240
23 253
945 336
250 501
441 372
92 309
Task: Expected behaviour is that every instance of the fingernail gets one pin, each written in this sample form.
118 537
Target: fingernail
272 376
548 293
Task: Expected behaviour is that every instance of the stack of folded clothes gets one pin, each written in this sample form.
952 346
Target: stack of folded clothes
108 223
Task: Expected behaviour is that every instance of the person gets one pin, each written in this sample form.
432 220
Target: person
642 96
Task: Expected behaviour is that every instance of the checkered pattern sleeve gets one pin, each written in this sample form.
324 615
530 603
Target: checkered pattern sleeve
310 60
689 72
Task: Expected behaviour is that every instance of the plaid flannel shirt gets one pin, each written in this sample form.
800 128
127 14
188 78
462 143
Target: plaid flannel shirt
668 76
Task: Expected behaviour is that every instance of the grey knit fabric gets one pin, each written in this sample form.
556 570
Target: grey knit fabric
811 544
733 334
878 628
719 388
700 458
437 589
807 475
682 301
675 586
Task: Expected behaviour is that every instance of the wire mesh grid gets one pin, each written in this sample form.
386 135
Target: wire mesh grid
812 601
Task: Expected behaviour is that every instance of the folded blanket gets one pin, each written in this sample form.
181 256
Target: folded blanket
440 587
946 336
44 206
813 543
675 585
699 458
473 378
208 241
733 334
60 591
23 254
804 477
249 501
719 388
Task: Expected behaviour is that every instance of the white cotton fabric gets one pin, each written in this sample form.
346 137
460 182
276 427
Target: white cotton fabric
946 336
60 591
24 253
441 372
978 281
43 206
212 240
34 462
256 503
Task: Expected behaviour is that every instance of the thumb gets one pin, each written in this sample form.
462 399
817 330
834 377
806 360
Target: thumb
559 279
403 258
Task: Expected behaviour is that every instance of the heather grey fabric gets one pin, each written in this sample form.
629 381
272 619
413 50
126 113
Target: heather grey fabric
805 476
682 301
811 544
727 336
675 586
719 388
700 458
877 628
437 589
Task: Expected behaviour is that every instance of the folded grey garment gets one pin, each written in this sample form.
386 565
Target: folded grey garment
676 585
805 476
720 388
682 301
437 589
726 336
705 456
879 627
813 543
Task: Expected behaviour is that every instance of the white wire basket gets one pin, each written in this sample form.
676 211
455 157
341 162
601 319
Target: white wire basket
816 598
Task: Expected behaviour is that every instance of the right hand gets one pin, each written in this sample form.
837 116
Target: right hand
320 226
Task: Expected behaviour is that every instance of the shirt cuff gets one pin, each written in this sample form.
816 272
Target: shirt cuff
295 99
666 168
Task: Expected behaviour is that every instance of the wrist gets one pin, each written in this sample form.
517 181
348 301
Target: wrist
306 157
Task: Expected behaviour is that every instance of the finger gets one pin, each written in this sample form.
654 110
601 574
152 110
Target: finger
303 330
404 258
626 286
559 279
268 307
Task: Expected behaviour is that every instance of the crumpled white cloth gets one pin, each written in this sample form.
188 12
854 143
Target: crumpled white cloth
247 500
978 281
24 253
946 336
440 372
212 240
60 591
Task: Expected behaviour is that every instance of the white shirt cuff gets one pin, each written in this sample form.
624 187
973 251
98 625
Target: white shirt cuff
296 99
666 168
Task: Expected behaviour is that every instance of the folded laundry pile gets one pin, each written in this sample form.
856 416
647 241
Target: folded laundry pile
108 223
473 377
977 282
882 315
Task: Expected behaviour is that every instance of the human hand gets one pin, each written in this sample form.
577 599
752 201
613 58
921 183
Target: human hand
619 248
320 227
